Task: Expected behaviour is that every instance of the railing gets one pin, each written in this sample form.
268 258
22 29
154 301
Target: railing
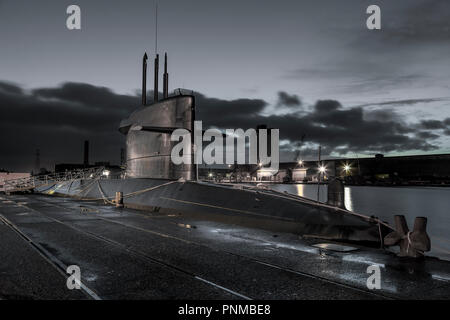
31 182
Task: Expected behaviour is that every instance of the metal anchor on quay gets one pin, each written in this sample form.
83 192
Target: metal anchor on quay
412 243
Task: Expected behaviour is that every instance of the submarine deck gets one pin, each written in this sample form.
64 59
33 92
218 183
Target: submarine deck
129 254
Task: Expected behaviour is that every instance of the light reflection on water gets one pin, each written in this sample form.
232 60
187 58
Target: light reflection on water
385 202
348 201
300 190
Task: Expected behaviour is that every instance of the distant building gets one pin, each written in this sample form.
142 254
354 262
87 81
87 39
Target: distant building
299 174
267 174
398 170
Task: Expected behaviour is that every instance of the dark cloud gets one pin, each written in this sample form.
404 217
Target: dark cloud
222 113
325 106
288 100
57 120
97 98
435 125
432 124
406 102
427 135
335 128
385 114
10 88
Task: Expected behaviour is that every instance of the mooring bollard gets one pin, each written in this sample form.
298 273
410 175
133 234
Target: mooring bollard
412 243
119 199
336 193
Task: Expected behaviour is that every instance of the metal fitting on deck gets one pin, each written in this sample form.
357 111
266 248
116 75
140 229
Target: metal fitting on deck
412 243
119 199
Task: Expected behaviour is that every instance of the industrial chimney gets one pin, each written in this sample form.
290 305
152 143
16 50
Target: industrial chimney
144 79
165 79
155 91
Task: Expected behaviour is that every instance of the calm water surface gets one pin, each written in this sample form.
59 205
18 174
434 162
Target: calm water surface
384 202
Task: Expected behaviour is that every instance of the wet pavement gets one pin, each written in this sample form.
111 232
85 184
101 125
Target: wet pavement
130 254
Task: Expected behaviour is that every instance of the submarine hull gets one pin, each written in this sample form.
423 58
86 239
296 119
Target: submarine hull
230 204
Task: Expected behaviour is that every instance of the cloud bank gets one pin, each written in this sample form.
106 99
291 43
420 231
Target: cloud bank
57 120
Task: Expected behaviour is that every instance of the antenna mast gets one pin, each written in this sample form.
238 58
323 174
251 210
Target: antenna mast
156 28
155 90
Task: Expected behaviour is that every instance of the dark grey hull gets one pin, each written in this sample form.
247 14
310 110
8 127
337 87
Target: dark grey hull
232 204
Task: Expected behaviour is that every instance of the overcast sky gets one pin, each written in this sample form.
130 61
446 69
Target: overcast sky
310 68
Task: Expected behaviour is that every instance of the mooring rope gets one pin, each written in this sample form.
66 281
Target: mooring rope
148 189
409 241
131 194
410 244
105 198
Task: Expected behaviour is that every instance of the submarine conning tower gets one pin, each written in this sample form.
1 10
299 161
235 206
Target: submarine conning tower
148 130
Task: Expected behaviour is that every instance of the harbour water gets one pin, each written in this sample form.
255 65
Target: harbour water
385 202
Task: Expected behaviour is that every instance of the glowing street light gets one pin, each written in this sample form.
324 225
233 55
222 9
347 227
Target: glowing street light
300 162
346 168
260 164
322 169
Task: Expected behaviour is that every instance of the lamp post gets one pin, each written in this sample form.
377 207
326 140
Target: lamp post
318 177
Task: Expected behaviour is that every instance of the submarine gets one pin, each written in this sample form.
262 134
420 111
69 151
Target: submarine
150 181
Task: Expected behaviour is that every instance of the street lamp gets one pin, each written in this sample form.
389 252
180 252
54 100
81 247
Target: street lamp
346 168
322 169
